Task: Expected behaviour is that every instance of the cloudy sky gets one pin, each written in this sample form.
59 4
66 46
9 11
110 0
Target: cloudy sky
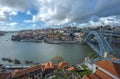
33 14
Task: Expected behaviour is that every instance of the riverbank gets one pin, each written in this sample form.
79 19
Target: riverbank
2 33
54 41
47 40
31 40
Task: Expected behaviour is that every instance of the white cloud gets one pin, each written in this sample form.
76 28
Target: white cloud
12 7
12 24
4 14
28 21
111 20
28 13
13 13
34 19
8 26
34 26
102 21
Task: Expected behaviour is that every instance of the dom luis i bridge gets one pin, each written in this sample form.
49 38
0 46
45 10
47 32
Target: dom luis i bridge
100 41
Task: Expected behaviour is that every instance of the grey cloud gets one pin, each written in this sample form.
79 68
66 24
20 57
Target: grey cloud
101 21
5 17
66 11
17 4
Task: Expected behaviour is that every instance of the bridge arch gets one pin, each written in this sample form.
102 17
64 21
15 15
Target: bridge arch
102 43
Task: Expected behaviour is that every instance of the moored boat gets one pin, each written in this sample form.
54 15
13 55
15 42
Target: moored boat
28 62
17 61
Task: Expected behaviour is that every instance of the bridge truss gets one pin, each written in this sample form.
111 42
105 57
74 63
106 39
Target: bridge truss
103 46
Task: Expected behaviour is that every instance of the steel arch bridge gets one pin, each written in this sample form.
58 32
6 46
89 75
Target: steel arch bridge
103 45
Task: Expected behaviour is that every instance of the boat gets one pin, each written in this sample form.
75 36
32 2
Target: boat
17 61
4 59
28 62
10 60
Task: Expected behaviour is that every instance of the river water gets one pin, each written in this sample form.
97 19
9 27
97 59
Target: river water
41 52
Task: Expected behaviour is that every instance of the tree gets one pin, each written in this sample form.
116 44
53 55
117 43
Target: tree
57 59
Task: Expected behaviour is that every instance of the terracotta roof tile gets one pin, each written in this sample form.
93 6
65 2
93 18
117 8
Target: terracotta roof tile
17 73
93 76
102 75
71 68
49 65
5 75
110 66
62 65
97 75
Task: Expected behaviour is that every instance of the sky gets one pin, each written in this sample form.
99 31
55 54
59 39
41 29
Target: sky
35 14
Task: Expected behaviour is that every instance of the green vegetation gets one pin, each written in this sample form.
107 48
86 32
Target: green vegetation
62 76
77 74
84 72
58 34
84 67
67 75
57 59
93 55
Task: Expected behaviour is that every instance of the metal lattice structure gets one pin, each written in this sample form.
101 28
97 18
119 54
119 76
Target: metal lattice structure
103 45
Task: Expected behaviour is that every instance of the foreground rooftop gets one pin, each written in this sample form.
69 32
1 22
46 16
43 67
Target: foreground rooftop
105 69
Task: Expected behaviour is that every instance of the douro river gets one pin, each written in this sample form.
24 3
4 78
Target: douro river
41 52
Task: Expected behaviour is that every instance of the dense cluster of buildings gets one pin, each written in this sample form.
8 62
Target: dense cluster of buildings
65 34
59 35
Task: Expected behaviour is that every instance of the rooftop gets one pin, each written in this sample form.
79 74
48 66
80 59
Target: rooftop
5 75
18 73
97 75
110 66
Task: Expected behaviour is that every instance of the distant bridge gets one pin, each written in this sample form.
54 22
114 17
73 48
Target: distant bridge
109 32
103 46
